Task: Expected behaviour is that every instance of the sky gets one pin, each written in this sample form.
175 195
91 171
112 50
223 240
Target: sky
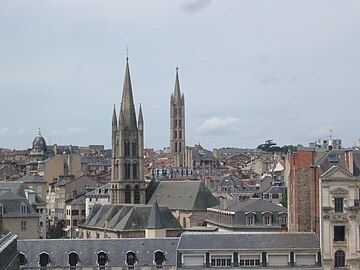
250 70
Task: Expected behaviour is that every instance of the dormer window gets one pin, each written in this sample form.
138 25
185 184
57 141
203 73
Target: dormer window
250 218
131 259
159 258
23 209
267 218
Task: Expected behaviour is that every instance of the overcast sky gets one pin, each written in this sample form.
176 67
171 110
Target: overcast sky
250 70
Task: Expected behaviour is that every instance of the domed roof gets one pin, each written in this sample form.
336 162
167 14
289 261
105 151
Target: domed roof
39 143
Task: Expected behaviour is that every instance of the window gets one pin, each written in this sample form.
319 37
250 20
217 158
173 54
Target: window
339 205
180 135
180 123
130 258
44 260
283 220
102 260
75 212
339 233
136 194
175 137
175 123
176 147
180 111
249 262
23 209
220 261
135 171
159 258
75 222
22 259
73 260
1 209
179 146
250 220
127 149
134 149
267 220
127 194
127 170
23 225
339 258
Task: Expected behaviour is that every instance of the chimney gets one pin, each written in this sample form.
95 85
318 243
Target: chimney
215 153
225 203
349 161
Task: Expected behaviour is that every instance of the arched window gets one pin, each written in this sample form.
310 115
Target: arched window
44 260
73 260
130 258
22 258
127 170
180 135
339 258
102 260
136 194
134 149
179 123
159 258
175 134
135 171
127 149
127 194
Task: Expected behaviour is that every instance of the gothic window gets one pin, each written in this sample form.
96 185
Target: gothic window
175 134
180 134
136 194
180 123
179 146
135 171
44 260
339 258
102 260
175 123
73 260
127 170
134 149
339 205
130 258
175 111
339 233
127 194
179 111
176 147
127 149
159 257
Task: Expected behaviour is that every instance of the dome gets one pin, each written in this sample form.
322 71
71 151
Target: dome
39 143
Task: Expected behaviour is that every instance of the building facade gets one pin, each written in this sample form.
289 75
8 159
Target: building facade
127 176
177 124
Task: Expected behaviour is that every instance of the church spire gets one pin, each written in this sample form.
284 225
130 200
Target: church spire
177 94
114 120
127 111
140 120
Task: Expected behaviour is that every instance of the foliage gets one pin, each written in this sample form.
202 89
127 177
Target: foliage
271 146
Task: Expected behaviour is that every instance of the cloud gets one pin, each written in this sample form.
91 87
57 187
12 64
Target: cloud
216 125
196 6
11 132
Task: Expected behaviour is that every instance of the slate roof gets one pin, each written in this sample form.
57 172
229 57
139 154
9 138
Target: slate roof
87 250
32 179
275 190
183 195
252 205
248 241
128 217
155 218
11 204
17 187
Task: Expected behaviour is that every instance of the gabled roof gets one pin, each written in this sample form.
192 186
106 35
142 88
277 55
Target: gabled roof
337 173
130 217
183 195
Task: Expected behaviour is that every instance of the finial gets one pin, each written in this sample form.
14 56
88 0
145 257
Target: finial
127 53
177 68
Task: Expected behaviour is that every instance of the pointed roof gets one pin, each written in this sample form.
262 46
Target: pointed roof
177 93
155 218
114 120
127 112
140 120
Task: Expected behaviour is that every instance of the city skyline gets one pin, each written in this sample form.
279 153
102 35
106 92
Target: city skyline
249 70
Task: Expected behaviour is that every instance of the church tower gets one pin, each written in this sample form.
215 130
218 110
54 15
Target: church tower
127 163
177 124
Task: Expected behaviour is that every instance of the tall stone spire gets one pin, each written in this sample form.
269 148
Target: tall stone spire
177 124
114 117
127 177
127 103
